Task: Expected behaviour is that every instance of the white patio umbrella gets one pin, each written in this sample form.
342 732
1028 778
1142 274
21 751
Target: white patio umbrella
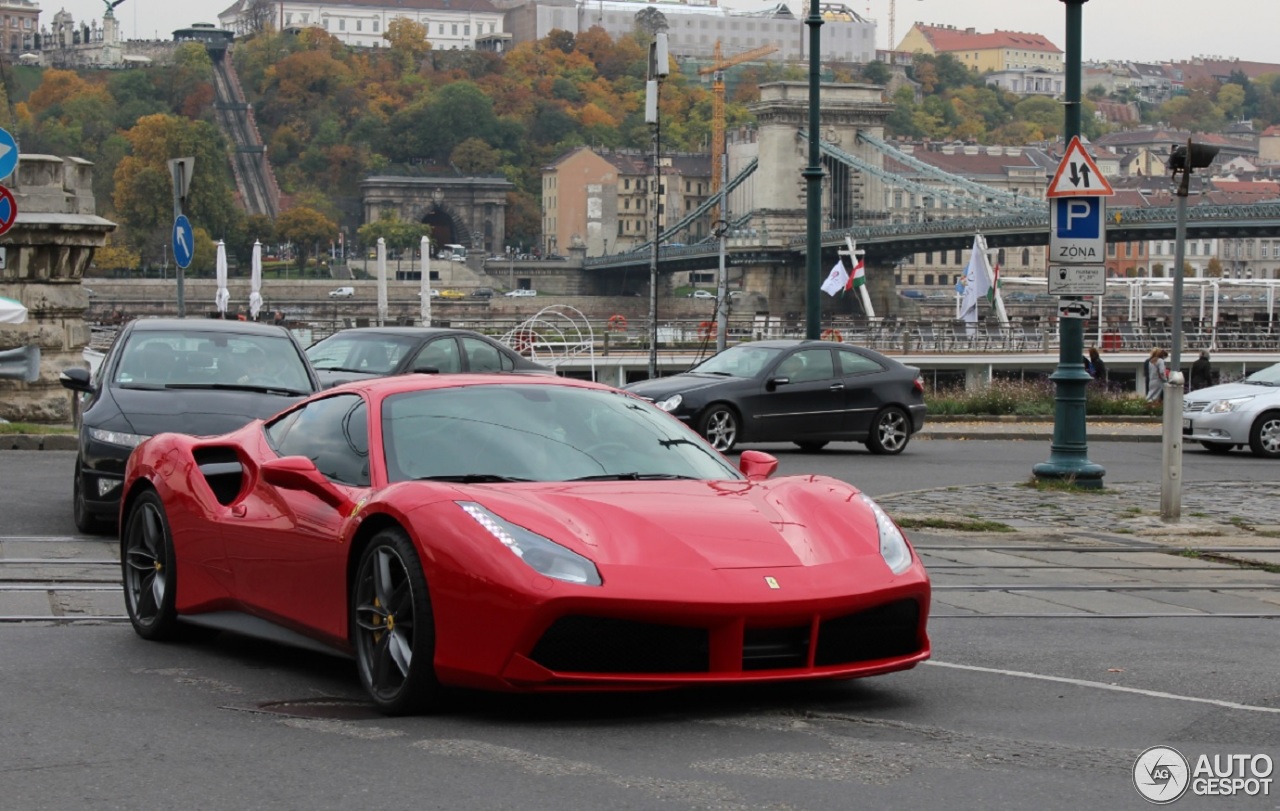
425 293
255 281
382 282
12 311
223 296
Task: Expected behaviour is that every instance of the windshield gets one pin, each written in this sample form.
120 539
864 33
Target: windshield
1269 376
539 433
368 353
155 358
742 360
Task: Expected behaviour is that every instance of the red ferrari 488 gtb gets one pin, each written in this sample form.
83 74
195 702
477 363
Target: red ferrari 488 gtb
522 534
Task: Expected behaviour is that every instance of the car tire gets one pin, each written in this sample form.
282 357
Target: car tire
1264 436
811 447
150 570
890 432
1217 447
393 626
720 426
86 521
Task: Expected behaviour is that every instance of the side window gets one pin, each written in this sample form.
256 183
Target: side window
484 357
333 433
441 355
808 365
851 363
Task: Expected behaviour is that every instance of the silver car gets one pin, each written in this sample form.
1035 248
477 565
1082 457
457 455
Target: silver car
1236 414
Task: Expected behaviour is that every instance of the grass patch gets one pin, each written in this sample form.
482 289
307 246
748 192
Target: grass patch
32 428
1237 521
1062 486
1198 515
954 524
1241 563
1131 511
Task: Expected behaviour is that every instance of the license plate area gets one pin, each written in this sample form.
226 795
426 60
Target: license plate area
1186 425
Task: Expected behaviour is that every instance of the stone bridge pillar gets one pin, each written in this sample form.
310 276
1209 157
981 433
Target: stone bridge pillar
46 253
778 187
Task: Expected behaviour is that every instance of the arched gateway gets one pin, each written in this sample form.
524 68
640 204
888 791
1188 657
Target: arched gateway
469 211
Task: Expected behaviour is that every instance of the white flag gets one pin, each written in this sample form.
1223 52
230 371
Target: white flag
976 281
836 280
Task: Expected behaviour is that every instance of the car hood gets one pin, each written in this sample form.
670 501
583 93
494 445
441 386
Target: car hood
700 525
661 387
199 412
1228 391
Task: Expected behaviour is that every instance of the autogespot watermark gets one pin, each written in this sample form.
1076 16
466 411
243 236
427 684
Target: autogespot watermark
1162 775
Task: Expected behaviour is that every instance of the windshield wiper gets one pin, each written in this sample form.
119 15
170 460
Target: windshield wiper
140 386
629 477
344 369
283 390
471 478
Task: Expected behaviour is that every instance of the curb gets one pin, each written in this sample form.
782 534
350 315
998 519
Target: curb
1027 436
39 442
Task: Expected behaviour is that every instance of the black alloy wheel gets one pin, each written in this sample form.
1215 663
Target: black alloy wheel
719 424
890 432
149 567
392 626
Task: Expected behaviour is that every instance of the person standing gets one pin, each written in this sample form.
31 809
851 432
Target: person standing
1097 366
1202 372
1156 374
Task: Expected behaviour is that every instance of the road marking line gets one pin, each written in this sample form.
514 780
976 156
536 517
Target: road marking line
1231 705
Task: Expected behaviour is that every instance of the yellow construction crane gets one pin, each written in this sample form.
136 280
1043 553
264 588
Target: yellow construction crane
717 101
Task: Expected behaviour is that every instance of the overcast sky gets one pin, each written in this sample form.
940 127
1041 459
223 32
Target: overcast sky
1145 30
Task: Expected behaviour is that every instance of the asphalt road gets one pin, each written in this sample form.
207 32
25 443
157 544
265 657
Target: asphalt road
1011 713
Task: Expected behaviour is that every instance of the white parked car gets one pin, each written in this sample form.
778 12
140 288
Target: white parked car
1156 295
1231 415
342 292
702 294
520 293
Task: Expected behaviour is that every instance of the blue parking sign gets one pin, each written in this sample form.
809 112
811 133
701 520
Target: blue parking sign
1078 230
1079 217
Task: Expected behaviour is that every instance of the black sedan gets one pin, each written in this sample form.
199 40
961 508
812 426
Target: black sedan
806 392
359 354
192 376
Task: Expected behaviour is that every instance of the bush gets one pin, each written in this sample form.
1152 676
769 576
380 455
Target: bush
1030 398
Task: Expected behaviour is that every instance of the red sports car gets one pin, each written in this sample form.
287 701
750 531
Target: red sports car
515 534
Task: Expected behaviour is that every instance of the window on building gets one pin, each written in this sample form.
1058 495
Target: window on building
1026 257
928 258
911 278
466 30
441 31
342 25
928 279
359 25
455 29
376 24
1128 249
956 257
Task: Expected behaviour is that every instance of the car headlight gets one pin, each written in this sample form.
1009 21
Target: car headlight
670 404
542 554
1223 406
118 437
893 547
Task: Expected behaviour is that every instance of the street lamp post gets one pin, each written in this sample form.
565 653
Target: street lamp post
659 67
813 184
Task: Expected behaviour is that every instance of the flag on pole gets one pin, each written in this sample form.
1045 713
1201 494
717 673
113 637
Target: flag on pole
976 281
858 278
995 284
837 280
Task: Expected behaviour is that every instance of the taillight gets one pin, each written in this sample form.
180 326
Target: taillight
918 384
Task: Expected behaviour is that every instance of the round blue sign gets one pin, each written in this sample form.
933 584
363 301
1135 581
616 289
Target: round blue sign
184 241
8 154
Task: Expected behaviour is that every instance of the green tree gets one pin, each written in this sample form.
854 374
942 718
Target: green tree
305 228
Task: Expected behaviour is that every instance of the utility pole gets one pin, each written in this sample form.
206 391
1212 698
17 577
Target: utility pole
813 184
722 281
659 67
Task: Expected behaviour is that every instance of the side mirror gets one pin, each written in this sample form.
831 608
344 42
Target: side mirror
76 379
757 465
775 382
300 473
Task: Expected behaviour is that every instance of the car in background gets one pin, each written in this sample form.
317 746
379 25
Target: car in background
1243 297
915 294
532 534
367 352
520 292
452 294
807 392
342 292
1155 295
482 292
704 294
1236 415
186 375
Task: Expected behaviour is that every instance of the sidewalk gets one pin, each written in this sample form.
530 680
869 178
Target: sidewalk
1102 429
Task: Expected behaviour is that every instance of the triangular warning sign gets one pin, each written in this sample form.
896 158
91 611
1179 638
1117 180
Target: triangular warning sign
1078 175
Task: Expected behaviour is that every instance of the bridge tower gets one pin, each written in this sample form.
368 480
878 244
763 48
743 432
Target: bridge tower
779 188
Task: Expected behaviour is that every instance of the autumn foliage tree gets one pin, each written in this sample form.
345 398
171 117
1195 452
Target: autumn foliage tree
305 228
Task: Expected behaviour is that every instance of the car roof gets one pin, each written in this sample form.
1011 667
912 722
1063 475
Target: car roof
229 326
399 384
401 331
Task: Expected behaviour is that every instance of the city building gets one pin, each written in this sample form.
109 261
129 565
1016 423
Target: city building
21 20
693 29
997 51
450 24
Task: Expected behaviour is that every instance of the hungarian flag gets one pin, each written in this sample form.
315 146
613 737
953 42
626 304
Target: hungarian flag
995 282
858 278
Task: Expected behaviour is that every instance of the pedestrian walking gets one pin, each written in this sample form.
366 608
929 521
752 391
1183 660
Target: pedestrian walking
1157 373
1097 366
1202 372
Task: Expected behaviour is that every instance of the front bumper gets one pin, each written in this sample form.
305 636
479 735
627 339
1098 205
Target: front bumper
1229 428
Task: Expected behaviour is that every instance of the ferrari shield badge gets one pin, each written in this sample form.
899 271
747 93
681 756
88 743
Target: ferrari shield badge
772 582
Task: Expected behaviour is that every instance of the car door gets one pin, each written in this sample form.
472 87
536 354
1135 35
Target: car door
863 379
801 397
285 546
438 354
482 356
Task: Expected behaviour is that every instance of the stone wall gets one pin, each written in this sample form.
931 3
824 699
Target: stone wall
47 250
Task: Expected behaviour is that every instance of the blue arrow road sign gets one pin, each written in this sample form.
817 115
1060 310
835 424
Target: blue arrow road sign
184 241
8 154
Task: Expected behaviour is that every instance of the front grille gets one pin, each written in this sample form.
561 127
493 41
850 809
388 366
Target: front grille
879 633
1192 406
606 645
773 648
